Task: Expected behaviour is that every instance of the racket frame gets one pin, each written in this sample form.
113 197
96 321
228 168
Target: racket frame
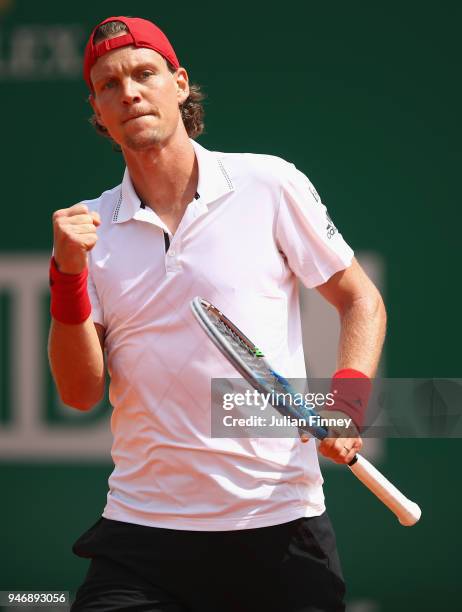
407 511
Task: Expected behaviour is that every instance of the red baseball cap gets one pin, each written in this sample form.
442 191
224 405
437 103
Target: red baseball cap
141 33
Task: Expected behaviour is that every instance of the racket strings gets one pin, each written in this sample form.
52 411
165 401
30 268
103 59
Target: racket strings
260 369
246 353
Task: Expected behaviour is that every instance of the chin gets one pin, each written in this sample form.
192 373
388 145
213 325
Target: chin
143 141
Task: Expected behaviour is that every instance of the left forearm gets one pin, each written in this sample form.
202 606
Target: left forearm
363 324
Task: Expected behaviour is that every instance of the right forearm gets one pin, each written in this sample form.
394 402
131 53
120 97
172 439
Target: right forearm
77 363
75 348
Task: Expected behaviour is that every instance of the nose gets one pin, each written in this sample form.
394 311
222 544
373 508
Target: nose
130 92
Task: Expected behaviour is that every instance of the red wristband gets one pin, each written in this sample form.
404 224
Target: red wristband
69 296
351 389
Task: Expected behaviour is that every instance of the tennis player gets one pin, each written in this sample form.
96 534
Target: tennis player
195 523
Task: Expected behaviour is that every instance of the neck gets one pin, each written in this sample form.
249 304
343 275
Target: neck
164 177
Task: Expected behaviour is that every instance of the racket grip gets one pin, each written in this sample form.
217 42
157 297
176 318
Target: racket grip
407 511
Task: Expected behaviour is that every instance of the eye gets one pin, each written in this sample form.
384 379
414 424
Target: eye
145 74
109 84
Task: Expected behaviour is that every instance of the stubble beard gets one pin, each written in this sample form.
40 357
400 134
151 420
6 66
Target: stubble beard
143 141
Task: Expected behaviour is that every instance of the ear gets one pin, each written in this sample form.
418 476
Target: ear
182 85
94 105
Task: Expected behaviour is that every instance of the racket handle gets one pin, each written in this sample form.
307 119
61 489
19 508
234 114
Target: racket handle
407 511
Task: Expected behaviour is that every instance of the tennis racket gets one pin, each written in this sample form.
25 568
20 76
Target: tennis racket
249 361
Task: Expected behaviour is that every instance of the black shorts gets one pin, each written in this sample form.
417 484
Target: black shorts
293 567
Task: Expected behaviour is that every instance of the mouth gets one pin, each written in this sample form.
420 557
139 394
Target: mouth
136 117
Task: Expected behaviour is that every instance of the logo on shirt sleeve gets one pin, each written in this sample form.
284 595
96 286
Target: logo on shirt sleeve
331 229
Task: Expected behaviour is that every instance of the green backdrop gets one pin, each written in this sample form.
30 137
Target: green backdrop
365 98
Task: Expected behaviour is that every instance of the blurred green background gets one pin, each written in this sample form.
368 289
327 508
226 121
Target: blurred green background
365 98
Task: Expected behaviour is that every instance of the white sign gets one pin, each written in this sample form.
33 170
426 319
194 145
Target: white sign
41 52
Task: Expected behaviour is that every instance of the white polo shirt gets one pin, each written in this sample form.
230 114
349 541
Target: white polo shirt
257 225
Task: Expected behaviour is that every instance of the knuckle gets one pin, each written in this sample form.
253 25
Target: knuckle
79 209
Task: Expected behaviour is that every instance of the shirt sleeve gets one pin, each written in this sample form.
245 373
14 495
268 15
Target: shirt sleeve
96 308
305 233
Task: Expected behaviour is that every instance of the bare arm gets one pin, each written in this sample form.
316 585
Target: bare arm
77 362
362 316
76 350
363 323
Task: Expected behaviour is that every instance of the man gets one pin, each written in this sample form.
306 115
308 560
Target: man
194 522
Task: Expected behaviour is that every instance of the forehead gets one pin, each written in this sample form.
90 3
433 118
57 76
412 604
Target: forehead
124 58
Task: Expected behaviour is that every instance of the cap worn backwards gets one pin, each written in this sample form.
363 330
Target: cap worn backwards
141 33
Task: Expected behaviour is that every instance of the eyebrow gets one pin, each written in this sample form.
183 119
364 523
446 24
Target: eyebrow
111 75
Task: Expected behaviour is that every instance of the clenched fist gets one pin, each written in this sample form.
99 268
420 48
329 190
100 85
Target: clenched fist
74 231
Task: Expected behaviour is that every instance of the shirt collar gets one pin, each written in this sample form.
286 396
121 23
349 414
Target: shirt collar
214 182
